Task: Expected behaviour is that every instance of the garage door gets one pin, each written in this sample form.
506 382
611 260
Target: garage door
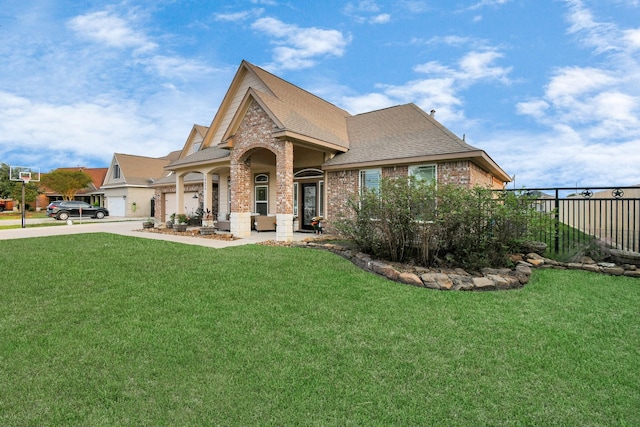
169 205
116 206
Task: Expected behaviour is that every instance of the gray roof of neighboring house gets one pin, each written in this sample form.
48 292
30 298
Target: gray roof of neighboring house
171 179
205 155
139 170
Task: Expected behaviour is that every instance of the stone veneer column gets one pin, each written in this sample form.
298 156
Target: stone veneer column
284 188
240 217
179 194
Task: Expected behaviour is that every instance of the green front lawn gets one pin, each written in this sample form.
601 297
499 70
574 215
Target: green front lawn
99 329
5 215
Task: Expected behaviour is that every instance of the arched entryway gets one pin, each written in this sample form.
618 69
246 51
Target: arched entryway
262 182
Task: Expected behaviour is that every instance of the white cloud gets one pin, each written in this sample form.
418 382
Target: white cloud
366 11
362 6
102 85
111 30
593 113
238 16
92 130
599 102
536 108
298 47
561 157
415 6
600 35
441 90
479 66
172 67
632 38
383 18
486 3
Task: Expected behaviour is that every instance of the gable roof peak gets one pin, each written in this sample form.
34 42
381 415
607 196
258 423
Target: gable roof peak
261 73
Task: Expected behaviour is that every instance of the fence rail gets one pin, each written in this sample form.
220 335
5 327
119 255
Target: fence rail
610 214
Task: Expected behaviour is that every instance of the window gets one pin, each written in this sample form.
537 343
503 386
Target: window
261 178
370 179
424 173
229 193
196 147
262 199
116 171
295 199
321 198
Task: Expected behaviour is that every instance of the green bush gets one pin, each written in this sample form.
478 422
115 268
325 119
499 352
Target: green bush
409 221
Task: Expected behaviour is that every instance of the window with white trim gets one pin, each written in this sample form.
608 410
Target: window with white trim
423 173
229 194
321 198
262 199
295 199
370 179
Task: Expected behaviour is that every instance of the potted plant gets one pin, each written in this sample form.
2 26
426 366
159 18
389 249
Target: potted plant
316 223
181 222
207 218
148 223
172 220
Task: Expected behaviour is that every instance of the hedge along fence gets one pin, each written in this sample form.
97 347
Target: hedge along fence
408 220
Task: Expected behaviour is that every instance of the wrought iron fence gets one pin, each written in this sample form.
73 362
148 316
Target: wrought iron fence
575 216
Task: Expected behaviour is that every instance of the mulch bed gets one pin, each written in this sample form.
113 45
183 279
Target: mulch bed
191 232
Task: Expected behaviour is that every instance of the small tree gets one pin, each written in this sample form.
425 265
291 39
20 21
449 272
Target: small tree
6 185
66 182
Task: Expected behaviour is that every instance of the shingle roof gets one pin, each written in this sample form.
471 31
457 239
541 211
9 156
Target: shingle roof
139 170
400 132
207 154
97 178
202 130
302 112
193 177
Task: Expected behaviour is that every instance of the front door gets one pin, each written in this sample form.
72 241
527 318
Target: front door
309 204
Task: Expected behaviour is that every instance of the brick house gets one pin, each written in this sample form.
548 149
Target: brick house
274 149
93 193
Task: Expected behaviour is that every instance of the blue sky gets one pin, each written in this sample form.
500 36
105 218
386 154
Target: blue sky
550 90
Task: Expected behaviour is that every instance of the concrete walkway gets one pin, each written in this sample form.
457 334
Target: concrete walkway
126 227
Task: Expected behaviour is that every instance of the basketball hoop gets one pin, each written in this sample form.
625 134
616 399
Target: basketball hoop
25 177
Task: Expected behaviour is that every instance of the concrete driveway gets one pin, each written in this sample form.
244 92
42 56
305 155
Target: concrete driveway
126 227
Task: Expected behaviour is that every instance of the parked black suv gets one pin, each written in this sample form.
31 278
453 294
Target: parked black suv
61 209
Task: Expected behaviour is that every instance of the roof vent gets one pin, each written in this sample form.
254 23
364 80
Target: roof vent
433 112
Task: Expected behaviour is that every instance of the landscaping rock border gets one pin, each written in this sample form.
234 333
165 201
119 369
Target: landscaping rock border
488 279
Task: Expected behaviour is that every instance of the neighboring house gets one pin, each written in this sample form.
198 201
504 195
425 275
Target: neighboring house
191 195
275 149
92 194
127 184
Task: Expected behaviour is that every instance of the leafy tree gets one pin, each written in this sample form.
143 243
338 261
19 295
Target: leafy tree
66 182
13 189
6 186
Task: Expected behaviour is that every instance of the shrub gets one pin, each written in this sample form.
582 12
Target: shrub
407 220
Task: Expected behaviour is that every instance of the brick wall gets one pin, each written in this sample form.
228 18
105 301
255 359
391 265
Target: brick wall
254 133
342 185
457 172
